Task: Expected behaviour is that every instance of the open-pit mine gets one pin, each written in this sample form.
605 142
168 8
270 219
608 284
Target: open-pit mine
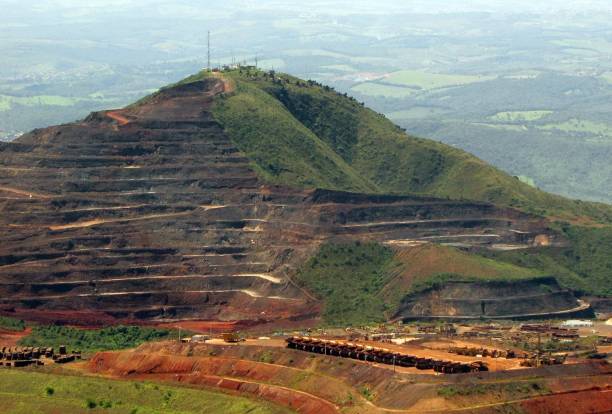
151 213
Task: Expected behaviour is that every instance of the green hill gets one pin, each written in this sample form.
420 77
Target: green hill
304 134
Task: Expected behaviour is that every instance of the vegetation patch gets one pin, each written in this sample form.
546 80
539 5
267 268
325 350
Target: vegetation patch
519 116
426 80
86 340
379 89
422 267
12 324
348 278
507 390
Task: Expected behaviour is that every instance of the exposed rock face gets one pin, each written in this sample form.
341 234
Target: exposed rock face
152 213
534 298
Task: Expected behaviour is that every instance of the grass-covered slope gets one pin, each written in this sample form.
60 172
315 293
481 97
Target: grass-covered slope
348 278
361 283
282 150
305 134
585 265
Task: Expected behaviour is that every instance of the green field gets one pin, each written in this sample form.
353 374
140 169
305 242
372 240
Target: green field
416 112
377 89
591 46
504 127
519 116
426 80
580 126
341 68
30 392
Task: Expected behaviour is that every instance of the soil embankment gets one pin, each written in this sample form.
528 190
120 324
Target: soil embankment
313 383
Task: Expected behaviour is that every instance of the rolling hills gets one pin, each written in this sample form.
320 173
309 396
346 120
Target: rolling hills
230 196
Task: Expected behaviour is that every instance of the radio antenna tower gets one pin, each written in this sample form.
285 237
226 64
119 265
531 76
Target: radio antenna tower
208 56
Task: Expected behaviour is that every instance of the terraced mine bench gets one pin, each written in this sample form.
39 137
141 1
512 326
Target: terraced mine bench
380 355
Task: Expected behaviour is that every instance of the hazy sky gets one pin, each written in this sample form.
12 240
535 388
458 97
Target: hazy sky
80 7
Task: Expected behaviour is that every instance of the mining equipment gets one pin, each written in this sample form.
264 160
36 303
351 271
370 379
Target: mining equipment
380 355
230 337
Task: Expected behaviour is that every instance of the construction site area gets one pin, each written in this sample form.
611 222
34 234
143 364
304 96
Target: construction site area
400 369
437 367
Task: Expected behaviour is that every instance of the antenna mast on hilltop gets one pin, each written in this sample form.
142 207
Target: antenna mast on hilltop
208 60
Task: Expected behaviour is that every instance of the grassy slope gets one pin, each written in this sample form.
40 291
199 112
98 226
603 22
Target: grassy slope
418 267
282 149
12 324
585 265
379 152
26 392
364 282
348 278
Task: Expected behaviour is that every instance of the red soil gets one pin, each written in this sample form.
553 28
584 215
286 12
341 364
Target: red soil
210 372
595 400
10 338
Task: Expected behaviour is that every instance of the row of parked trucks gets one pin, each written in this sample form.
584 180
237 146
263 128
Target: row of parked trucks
22 357
381 355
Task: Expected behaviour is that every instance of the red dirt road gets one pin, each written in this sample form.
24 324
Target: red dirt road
116 116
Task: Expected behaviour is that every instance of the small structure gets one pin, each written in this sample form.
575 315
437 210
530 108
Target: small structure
575 323
200 338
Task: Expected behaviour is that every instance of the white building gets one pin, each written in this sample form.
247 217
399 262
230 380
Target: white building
575 323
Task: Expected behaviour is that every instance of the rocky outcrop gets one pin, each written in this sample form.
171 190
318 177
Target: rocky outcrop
151 213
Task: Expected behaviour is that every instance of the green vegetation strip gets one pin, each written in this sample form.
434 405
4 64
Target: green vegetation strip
28 392
502 390
86 340
12 324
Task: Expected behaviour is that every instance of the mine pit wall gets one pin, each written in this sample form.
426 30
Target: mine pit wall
526 299
92 211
